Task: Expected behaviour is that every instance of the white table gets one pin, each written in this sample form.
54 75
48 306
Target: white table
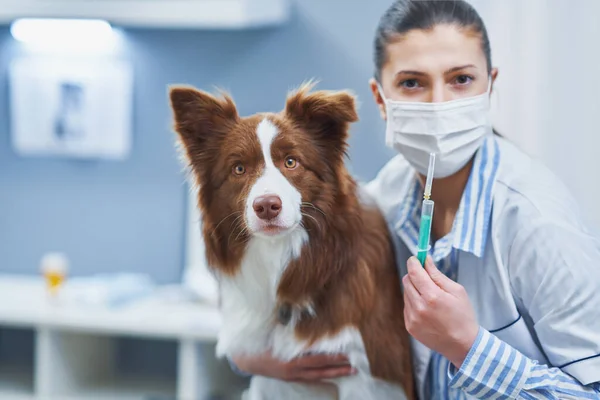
74 351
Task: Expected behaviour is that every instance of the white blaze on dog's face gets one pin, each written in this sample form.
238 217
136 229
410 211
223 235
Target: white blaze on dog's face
273 206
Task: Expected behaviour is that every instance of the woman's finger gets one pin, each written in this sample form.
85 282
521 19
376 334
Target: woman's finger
445 283
419 277
321 361
411 295
318 374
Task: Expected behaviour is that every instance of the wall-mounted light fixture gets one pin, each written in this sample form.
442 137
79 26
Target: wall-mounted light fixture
65 35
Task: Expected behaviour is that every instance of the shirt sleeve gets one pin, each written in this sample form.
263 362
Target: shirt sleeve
494 369
236 370
555 274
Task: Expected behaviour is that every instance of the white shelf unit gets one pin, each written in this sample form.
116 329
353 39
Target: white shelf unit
16 381
75 348
16 367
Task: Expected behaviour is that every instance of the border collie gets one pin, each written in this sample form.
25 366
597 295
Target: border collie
304 262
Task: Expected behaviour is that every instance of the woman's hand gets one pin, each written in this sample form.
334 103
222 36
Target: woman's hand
437 311
308 368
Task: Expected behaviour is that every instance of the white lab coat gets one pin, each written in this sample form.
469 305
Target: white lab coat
537 285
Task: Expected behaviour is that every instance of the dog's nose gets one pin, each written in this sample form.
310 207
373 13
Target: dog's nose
267 207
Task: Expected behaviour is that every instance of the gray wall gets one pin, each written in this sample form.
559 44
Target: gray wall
115 216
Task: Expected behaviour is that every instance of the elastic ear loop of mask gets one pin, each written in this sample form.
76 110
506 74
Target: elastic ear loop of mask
381 91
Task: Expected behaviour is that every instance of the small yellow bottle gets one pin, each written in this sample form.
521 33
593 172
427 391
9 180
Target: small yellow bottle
54 268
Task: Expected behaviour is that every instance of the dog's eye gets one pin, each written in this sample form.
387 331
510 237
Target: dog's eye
291 163
239 169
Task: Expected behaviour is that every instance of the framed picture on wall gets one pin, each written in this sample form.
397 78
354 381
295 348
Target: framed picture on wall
71 108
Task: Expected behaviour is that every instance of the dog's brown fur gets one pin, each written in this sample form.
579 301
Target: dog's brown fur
347 268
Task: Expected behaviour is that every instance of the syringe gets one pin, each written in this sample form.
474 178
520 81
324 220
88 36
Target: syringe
426 214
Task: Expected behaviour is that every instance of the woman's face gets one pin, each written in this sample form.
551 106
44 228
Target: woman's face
441 64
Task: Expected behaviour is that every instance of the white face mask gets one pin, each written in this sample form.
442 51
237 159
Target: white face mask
453 130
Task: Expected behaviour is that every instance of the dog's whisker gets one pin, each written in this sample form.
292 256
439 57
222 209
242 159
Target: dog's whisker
244 230
313 218
311 205
237 222
302 225
235 228
223 220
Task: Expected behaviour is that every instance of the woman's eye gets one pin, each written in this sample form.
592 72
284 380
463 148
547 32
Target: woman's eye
291 163
463 79
410 84
239 169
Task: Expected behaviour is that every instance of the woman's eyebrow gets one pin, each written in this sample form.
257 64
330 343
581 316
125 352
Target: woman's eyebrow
410 72
448 71
454 69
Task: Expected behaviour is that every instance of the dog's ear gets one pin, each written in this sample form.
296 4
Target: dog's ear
201 120
324 114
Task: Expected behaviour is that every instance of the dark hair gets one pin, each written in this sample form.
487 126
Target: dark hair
407 15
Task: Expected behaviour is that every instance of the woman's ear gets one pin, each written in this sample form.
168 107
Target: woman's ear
494 75
377 97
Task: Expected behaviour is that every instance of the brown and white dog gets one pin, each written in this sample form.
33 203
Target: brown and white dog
304 263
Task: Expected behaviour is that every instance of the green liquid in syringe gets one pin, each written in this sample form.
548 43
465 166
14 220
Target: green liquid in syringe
424 238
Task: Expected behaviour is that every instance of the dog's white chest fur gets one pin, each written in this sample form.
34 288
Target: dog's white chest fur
249 298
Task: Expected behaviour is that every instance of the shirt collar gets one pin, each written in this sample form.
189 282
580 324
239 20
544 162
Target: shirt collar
471 224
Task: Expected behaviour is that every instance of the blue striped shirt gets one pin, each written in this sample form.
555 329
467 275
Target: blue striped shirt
492 369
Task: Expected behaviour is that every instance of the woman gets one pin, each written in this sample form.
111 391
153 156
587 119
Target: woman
512 309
